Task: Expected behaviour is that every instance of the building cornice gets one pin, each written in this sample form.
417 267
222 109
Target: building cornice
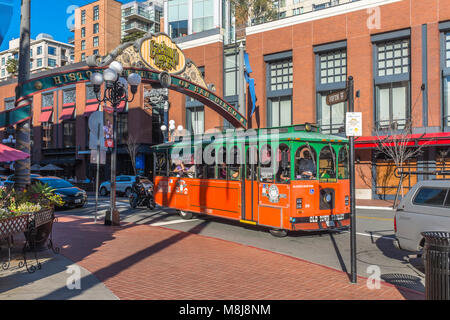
317 15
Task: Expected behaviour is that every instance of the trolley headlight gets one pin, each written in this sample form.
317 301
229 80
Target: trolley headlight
346 201
327 197
299 203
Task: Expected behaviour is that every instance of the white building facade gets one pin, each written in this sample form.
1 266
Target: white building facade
141 16
46 53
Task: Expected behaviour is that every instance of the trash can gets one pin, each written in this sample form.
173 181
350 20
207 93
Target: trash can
436 254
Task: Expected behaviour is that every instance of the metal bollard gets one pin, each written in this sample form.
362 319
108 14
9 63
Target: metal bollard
437 265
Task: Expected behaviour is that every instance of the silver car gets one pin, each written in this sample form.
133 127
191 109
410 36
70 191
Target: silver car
123 186
426 207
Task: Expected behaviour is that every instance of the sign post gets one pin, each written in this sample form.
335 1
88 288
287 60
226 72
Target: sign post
353 128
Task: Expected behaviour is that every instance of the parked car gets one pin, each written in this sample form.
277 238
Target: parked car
123 186
426 207
9 182
71 195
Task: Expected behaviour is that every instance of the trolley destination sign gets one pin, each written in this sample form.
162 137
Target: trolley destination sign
337 97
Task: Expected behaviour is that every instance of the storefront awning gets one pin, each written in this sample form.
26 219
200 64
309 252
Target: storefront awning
411 140
45 116
90 108
67 113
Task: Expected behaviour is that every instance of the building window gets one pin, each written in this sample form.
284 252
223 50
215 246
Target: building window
3 72
83 16
96 28
95 51
83 56
51 62
295 11
69 133
202 15
47 100
83 44
195 119
331 72
90 93
39 51
52 51
46 134
445 63
95 42
31 53
69 96
177 17
96 13
83 32
392 84
3 61
9 103
231 73
279 75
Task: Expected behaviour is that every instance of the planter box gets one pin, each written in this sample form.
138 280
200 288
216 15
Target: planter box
11 226
42 217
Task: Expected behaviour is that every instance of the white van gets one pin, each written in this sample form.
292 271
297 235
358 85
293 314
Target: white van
426 207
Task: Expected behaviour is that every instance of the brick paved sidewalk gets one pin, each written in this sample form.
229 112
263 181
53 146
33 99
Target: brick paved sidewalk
374 203
144 262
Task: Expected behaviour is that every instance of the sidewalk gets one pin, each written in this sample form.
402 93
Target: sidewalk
145 262
374 204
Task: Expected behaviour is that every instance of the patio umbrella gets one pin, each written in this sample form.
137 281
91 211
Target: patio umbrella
8 154
35 167
51 167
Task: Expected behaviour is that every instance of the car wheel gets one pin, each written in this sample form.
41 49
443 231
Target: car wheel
128 192
103 191
185 215
279 233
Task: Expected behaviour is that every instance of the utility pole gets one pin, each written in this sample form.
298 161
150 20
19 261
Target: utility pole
22 168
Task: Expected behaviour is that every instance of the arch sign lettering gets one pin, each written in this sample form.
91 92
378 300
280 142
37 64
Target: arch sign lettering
149 57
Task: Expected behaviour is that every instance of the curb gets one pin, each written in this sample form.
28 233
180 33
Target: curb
375 208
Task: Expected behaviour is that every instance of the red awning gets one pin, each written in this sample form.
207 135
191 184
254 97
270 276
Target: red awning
90 108
8 154
45 116
67 113
438 138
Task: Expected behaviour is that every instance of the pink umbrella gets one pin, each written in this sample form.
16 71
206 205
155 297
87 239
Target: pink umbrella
8 154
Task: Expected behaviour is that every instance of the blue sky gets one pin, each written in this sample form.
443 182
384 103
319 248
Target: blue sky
47 16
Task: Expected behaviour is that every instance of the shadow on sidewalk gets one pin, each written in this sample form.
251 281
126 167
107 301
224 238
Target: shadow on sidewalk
117 267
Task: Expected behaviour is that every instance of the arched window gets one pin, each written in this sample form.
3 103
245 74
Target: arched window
305 163
252 162
343 164
234 166
284 164
265 164
327 164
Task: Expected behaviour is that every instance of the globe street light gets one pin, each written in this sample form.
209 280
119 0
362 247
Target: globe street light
115 92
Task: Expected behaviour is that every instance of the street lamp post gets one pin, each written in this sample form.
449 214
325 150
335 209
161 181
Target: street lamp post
115 92
172 128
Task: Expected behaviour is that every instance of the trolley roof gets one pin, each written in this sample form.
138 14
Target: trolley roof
288 133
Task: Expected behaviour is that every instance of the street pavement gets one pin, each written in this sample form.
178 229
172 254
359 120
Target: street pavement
157 255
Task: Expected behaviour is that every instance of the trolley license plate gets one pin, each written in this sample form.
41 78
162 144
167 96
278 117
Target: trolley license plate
330 222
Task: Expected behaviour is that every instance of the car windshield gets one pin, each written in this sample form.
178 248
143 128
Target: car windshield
56 183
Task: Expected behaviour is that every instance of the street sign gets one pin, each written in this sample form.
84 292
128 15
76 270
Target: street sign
95 136
94 155
353 124
337 97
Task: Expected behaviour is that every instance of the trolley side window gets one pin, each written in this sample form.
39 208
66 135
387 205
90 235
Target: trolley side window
327 164
161 164
343 164
252 159
266 164
305 163
210 161
284 164
234 166
222 163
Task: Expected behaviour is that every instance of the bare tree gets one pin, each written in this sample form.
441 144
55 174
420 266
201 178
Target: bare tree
395 142
132 148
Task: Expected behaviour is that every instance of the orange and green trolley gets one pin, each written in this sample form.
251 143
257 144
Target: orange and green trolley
287 179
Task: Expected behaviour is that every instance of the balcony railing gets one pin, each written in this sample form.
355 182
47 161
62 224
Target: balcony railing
300 9
135 26
138 14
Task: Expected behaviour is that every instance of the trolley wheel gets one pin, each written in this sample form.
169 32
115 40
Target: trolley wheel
279 233
185 215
